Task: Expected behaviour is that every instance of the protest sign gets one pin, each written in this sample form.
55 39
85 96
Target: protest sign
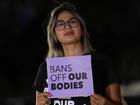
70 76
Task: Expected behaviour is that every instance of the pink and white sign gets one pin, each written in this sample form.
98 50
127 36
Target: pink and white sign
70 76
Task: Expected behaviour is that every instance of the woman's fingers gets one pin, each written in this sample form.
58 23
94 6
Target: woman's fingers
97 99
43 98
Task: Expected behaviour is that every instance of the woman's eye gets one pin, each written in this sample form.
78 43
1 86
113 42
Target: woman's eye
60 24
73 21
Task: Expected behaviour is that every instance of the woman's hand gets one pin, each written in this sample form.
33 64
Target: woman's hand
97 99
42 98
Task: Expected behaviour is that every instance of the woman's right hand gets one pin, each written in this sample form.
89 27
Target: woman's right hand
42 98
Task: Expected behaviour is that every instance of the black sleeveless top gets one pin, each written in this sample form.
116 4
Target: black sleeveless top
103 75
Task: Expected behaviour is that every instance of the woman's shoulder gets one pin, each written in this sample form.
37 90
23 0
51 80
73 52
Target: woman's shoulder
97 56
42 68
43 64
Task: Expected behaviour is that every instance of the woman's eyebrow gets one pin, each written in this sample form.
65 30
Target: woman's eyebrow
68 19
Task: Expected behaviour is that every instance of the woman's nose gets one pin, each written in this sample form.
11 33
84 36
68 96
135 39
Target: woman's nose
67 26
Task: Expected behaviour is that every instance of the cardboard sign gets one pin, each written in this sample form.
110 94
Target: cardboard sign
70 76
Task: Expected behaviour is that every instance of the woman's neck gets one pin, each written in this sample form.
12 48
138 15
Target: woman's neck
73 50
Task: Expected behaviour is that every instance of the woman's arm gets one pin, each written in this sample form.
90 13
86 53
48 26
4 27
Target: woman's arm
113 96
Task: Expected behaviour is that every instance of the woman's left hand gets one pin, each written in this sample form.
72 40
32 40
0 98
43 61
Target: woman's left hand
97 99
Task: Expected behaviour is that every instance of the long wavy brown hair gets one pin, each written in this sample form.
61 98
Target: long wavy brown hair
54 46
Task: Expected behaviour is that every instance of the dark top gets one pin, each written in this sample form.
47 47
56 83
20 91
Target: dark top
103 75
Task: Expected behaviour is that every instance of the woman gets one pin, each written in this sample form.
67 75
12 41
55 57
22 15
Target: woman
68 36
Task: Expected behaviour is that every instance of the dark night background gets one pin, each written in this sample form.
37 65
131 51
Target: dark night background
114 27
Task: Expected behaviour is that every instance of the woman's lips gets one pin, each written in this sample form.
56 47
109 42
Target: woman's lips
68 33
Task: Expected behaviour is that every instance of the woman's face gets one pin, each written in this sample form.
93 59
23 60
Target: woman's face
68 28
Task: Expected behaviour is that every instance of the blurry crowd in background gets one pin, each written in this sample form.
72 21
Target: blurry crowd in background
114 28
